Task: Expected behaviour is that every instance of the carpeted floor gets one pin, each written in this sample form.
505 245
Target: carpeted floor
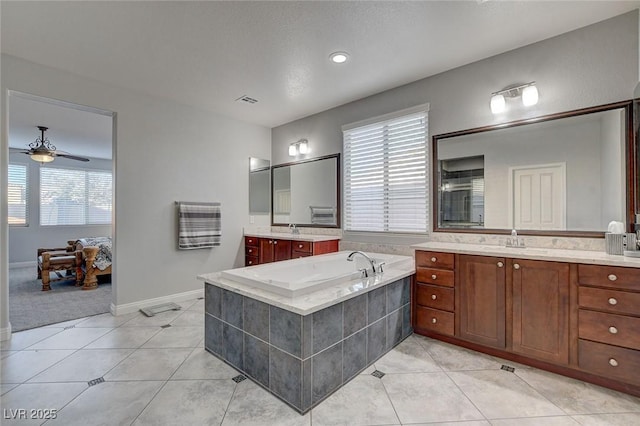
29 307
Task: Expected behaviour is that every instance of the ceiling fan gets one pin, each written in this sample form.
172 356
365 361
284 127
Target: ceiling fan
43 151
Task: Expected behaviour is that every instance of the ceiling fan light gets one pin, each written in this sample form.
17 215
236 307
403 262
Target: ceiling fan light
42 158
530 95
498 104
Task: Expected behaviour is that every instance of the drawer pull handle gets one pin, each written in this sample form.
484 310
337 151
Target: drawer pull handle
500 264
433 277
251 262
299 245
612 277
516 266
613 301
613 362
613 330
433 259
434 297
433 320
250 251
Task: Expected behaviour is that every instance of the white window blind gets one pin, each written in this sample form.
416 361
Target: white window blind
74 197
385 184
18 195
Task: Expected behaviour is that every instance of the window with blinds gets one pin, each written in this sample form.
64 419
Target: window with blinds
74 197
18 195
385 166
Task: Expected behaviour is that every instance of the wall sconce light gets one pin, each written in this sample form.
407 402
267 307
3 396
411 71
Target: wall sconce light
528 92
300 147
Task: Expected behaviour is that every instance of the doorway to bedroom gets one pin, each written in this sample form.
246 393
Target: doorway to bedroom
60 209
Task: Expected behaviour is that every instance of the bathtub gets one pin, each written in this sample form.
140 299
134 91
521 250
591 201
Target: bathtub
308 274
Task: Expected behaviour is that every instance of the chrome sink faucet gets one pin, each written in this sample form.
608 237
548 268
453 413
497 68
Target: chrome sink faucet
514 241
370 260
294 230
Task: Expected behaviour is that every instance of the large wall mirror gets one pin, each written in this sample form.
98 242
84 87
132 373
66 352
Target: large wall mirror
563 174
259 186
307 193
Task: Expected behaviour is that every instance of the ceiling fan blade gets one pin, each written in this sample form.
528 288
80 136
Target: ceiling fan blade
69 156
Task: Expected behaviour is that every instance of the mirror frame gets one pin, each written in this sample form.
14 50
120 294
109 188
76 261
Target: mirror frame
631 172
338 192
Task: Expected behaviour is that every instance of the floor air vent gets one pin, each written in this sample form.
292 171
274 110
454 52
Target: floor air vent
507 368
379 374
154 310
238 378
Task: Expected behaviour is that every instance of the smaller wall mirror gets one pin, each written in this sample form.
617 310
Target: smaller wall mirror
306 193
259 186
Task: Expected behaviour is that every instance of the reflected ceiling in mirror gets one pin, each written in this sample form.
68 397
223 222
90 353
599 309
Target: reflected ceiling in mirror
563 174
306 193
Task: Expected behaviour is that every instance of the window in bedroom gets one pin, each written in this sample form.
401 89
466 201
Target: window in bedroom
18 195
75 197
385 166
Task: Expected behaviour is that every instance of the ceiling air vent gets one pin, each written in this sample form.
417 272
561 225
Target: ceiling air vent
247 99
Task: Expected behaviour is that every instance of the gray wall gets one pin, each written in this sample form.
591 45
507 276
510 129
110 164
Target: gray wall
25 240
590 66
164 152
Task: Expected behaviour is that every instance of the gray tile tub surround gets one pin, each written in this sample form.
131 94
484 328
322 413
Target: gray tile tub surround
302 359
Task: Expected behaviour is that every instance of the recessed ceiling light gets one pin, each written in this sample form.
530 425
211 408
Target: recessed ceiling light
339 57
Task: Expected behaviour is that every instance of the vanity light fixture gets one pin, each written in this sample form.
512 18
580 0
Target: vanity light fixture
339 57
300 147
528 92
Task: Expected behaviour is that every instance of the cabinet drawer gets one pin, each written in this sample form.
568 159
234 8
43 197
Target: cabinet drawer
435 297
615 301
433 319
609 361
435 276
251 251
614 329
250 260
295 254
609 276
431 259
251 241
306 246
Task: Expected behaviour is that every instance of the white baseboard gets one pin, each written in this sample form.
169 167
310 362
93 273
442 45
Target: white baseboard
32 263
5 333
128 308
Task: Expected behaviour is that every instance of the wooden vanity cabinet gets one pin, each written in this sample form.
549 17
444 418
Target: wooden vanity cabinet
260 250
609 322
482 301
540 303
579 320
273 250
434 293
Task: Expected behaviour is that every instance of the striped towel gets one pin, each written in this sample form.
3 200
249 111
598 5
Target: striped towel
323 215
199 225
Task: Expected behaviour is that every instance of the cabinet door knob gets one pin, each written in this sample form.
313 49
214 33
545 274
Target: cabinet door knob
433 277
250 251
613 330
433 320
433 259
613 362
613 301
434 297
250 262
270 241
516 266
500 264
612 277
299 245
275 242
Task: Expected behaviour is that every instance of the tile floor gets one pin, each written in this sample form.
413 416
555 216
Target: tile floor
163 376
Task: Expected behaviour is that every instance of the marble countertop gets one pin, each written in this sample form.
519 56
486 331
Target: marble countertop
290 236
309 303
533 253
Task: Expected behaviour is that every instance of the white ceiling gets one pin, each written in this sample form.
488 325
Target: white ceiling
208 54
